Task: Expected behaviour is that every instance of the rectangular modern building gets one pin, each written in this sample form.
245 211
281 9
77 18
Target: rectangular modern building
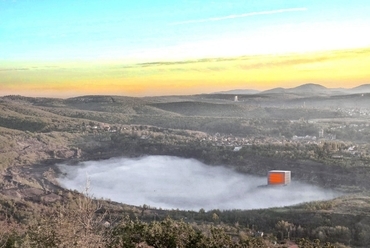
278 177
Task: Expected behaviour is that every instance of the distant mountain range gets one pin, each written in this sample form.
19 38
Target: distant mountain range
239 92
305 89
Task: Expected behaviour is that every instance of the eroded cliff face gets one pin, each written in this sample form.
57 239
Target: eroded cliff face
26 148
27 160
35 184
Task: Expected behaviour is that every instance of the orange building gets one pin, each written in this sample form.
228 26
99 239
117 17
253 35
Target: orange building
278 177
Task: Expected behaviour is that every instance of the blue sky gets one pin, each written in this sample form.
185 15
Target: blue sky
141 30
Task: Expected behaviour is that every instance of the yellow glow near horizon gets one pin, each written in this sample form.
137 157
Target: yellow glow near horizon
342 68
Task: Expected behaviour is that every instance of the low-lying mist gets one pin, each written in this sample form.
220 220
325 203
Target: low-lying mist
173 182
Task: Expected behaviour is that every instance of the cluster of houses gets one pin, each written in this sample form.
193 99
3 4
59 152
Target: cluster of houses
227 140
97 128
222 140
355 111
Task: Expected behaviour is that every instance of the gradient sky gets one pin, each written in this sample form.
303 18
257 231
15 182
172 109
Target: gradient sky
73 47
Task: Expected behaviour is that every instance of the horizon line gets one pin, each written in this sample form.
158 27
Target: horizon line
167 95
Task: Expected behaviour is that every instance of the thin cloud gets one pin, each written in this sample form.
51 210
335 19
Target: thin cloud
215 19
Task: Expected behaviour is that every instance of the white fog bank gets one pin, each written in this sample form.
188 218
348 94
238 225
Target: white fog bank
172 182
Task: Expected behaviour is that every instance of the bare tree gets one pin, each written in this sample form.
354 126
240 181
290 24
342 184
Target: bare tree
78 223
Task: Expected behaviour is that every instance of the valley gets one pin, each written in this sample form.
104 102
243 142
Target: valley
321 136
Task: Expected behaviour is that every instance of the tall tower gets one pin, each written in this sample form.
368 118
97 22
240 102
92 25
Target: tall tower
321 133
235 98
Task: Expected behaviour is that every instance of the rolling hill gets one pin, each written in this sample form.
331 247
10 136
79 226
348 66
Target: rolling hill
303 90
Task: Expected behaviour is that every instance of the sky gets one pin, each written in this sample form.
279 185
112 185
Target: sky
162 47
